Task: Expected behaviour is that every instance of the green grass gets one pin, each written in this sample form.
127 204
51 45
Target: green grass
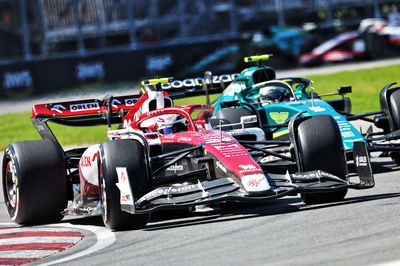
18 127
365 97
367 84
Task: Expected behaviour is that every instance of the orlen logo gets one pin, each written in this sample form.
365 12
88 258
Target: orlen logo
86 161
90 70
84 107
17 79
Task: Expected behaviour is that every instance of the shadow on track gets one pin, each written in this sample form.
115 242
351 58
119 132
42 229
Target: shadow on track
235 211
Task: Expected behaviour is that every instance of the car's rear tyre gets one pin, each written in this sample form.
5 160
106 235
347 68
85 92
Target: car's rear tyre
131 155
394 107
233 115
35 186
320 148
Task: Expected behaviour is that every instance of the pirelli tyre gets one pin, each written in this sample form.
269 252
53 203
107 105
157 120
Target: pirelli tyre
394 107
320 147
35 186
233 115
128 154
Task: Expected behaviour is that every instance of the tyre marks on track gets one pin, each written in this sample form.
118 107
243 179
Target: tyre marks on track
20 245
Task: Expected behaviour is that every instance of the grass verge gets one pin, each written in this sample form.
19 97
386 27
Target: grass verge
366 83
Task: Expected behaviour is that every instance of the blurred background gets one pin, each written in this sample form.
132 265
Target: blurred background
51 45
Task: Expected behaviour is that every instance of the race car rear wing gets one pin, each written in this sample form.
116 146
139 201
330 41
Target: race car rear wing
86 112
90 112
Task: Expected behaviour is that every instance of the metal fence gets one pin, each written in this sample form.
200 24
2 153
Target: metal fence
85 25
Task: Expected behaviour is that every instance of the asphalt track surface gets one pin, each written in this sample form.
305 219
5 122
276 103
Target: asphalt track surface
364 229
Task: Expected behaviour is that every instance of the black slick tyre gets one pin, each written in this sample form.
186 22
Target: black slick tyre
35 186
131 155
394 107
320 148
233 115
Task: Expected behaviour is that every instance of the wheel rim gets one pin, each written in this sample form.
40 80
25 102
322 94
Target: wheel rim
103 196
11 187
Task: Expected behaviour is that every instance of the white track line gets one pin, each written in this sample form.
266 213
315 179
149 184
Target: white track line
104 238
390 263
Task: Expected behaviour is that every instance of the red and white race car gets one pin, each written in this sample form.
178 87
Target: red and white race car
163 157
369 41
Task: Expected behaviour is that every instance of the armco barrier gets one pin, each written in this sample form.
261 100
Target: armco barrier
50 75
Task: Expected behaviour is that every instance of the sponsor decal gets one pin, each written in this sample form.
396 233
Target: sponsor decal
221 166
240 132
84 106
255 183
247 167
88 166
158 62
126 196
130 102
361 161
197 82
348 134
279 117
312 174
90 70
316 109
174 189
58 108
175 168
17 79
185 139
85 161
230 149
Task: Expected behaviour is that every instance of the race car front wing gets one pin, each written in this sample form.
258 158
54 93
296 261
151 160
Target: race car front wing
227 189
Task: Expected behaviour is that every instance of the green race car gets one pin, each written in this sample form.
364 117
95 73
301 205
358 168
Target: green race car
257 91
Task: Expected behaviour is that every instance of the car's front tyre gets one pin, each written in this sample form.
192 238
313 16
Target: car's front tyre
129 154
320 148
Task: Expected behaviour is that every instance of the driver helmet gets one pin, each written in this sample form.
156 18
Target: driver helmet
172 124
271 94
